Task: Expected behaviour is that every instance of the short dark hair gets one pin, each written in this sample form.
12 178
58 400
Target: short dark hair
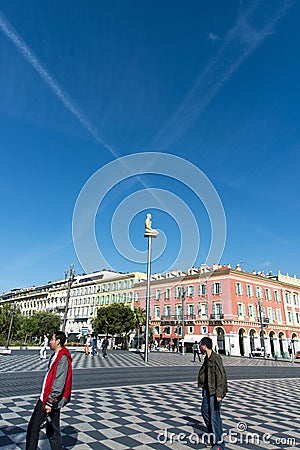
61 336
206 341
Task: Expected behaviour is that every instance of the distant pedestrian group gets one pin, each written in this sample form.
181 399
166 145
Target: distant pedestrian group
92 346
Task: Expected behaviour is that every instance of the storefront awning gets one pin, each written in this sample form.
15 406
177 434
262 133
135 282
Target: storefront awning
191 338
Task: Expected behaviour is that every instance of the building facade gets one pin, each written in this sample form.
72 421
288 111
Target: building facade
240 311
87 292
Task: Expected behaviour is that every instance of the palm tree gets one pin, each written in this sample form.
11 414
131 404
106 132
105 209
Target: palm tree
140 320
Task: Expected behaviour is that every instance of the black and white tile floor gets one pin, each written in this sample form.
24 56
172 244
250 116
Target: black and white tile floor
18 362
257 414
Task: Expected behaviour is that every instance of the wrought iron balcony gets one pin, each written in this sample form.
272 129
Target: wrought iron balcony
177 318
216 317
60 307
81 317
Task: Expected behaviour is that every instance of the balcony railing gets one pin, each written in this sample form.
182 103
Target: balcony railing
216 317
55 307
81 317
60 307
177 318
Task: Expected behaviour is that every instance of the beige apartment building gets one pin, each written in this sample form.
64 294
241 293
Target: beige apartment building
87 293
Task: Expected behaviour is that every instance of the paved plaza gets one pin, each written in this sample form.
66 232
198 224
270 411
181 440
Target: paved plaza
257 414
30 361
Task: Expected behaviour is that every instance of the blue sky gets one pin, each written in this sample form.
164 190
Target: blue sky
213 82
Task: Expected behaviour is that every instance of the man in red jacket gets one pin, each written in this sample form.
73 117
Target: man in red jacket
56 392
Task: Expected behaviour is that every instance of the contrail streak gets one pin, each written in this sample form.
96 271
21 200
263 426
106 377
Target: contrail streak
31 58
239 43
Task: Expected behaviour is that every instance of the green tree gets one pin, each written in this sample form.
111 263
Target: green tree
140 321
116 319
46 322
28 327
5 318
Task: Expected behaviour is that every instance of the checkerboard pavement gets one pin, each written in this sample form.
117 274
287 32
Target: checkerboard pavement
137 417
31 361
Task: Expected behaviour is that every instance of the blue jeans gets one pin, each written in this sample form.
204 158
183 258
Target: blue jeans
211 412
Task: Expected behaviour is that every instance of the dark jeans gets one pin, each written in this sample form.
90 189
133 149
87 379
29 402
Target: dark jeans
196 353
52 429
211 412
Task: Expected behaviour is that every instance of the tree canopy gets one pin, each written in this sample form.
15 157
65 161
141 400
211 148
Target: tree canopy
46 322
116 319
40 323
5 318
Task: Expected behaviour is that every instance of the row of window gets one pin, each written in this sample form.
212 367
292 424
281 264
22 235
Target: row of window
177 330
82 312
268 293
292 297
104 299
42 303
104 287
116 286
83 301
267 313
253 312
190 291
114 298
293 318
83 291
190 310
216 289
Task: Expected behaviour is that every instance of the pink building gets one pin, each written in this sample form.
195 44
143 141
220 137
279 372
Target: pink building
240 311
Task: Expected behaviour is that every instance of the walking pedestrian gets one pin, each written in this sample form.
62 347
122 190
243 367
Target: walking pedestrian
213 381
291 356
105 343
196 351
56 392
87 345
43 351
94 346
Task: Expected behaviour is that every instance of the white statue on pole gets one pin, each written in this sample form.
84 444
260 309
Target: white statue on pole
149 232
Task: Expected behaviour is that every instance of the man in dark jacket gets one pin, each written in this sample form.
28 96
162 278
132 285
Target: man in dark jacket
104 347
213 381
56 392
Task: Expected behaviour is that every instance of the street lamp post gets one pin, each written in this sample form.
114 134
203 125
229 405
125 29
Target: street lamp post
149 234
13 310
262 332
182 310
70 281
